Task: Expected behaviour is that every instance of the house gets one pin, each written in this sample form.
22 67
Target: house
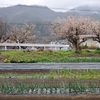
90 40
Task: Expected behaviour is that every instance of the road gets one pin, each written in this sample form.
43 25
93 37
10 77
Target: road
30 66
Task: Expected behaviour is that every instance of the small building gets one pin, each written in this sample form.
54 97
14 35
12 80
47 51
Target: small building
90 40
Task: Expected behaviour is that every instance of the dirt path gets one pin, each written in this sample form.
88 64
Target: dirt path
50 97
47 81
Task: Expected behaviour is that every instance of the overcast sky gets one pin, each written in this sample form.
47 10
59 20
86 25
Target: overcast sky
66 4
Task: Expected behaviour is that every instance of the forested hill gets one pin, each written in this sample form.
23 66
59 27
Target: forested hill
23 13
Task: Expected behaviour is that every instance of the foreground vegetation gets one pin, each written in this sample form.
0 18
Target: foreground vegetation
22 56
43 88
52 82
56 74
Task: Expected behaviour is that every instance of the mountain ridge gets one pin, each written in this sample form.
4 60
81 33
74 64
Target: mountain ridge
23 13
35 13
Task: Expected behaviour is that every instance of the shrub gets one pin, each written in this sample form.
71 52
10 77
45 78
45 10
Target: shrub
92 47
6 61
84 46
97 51
24 61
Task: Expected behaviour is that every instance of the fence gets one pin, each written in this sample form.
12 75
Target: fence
4 46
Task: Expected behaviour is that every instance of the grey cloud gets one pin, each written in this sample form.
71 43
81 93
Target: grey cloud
53 3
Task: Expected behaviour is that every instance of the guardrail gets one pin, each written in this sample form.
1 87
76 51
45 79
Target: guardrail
4 46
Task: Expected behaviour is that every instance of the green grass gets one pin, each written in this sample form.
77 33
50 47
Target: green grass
57 74
47 56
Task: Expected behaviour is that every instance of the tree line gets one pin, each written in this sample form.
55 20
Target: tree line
23 32
69 28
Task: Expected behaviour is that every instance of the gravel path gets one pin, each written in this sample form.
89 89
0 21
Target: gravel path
29 66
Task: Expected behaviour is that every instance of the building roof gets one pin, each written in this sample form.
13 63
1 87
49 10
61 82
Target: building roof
87 36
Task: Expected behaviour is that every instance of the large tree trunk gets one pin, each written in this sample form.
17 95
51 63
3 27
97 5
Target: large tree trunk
77 47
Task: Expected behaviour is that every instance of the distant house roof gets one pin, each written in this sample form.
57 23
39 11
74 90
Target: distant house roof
87 36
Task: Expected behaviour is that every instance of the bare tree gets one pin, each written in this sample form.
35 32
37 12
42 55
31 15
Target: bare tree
71 28
22 34
3 30
95 27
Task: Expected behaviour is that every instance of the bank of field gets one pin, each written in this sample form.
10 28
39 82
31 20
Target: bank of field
21 56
